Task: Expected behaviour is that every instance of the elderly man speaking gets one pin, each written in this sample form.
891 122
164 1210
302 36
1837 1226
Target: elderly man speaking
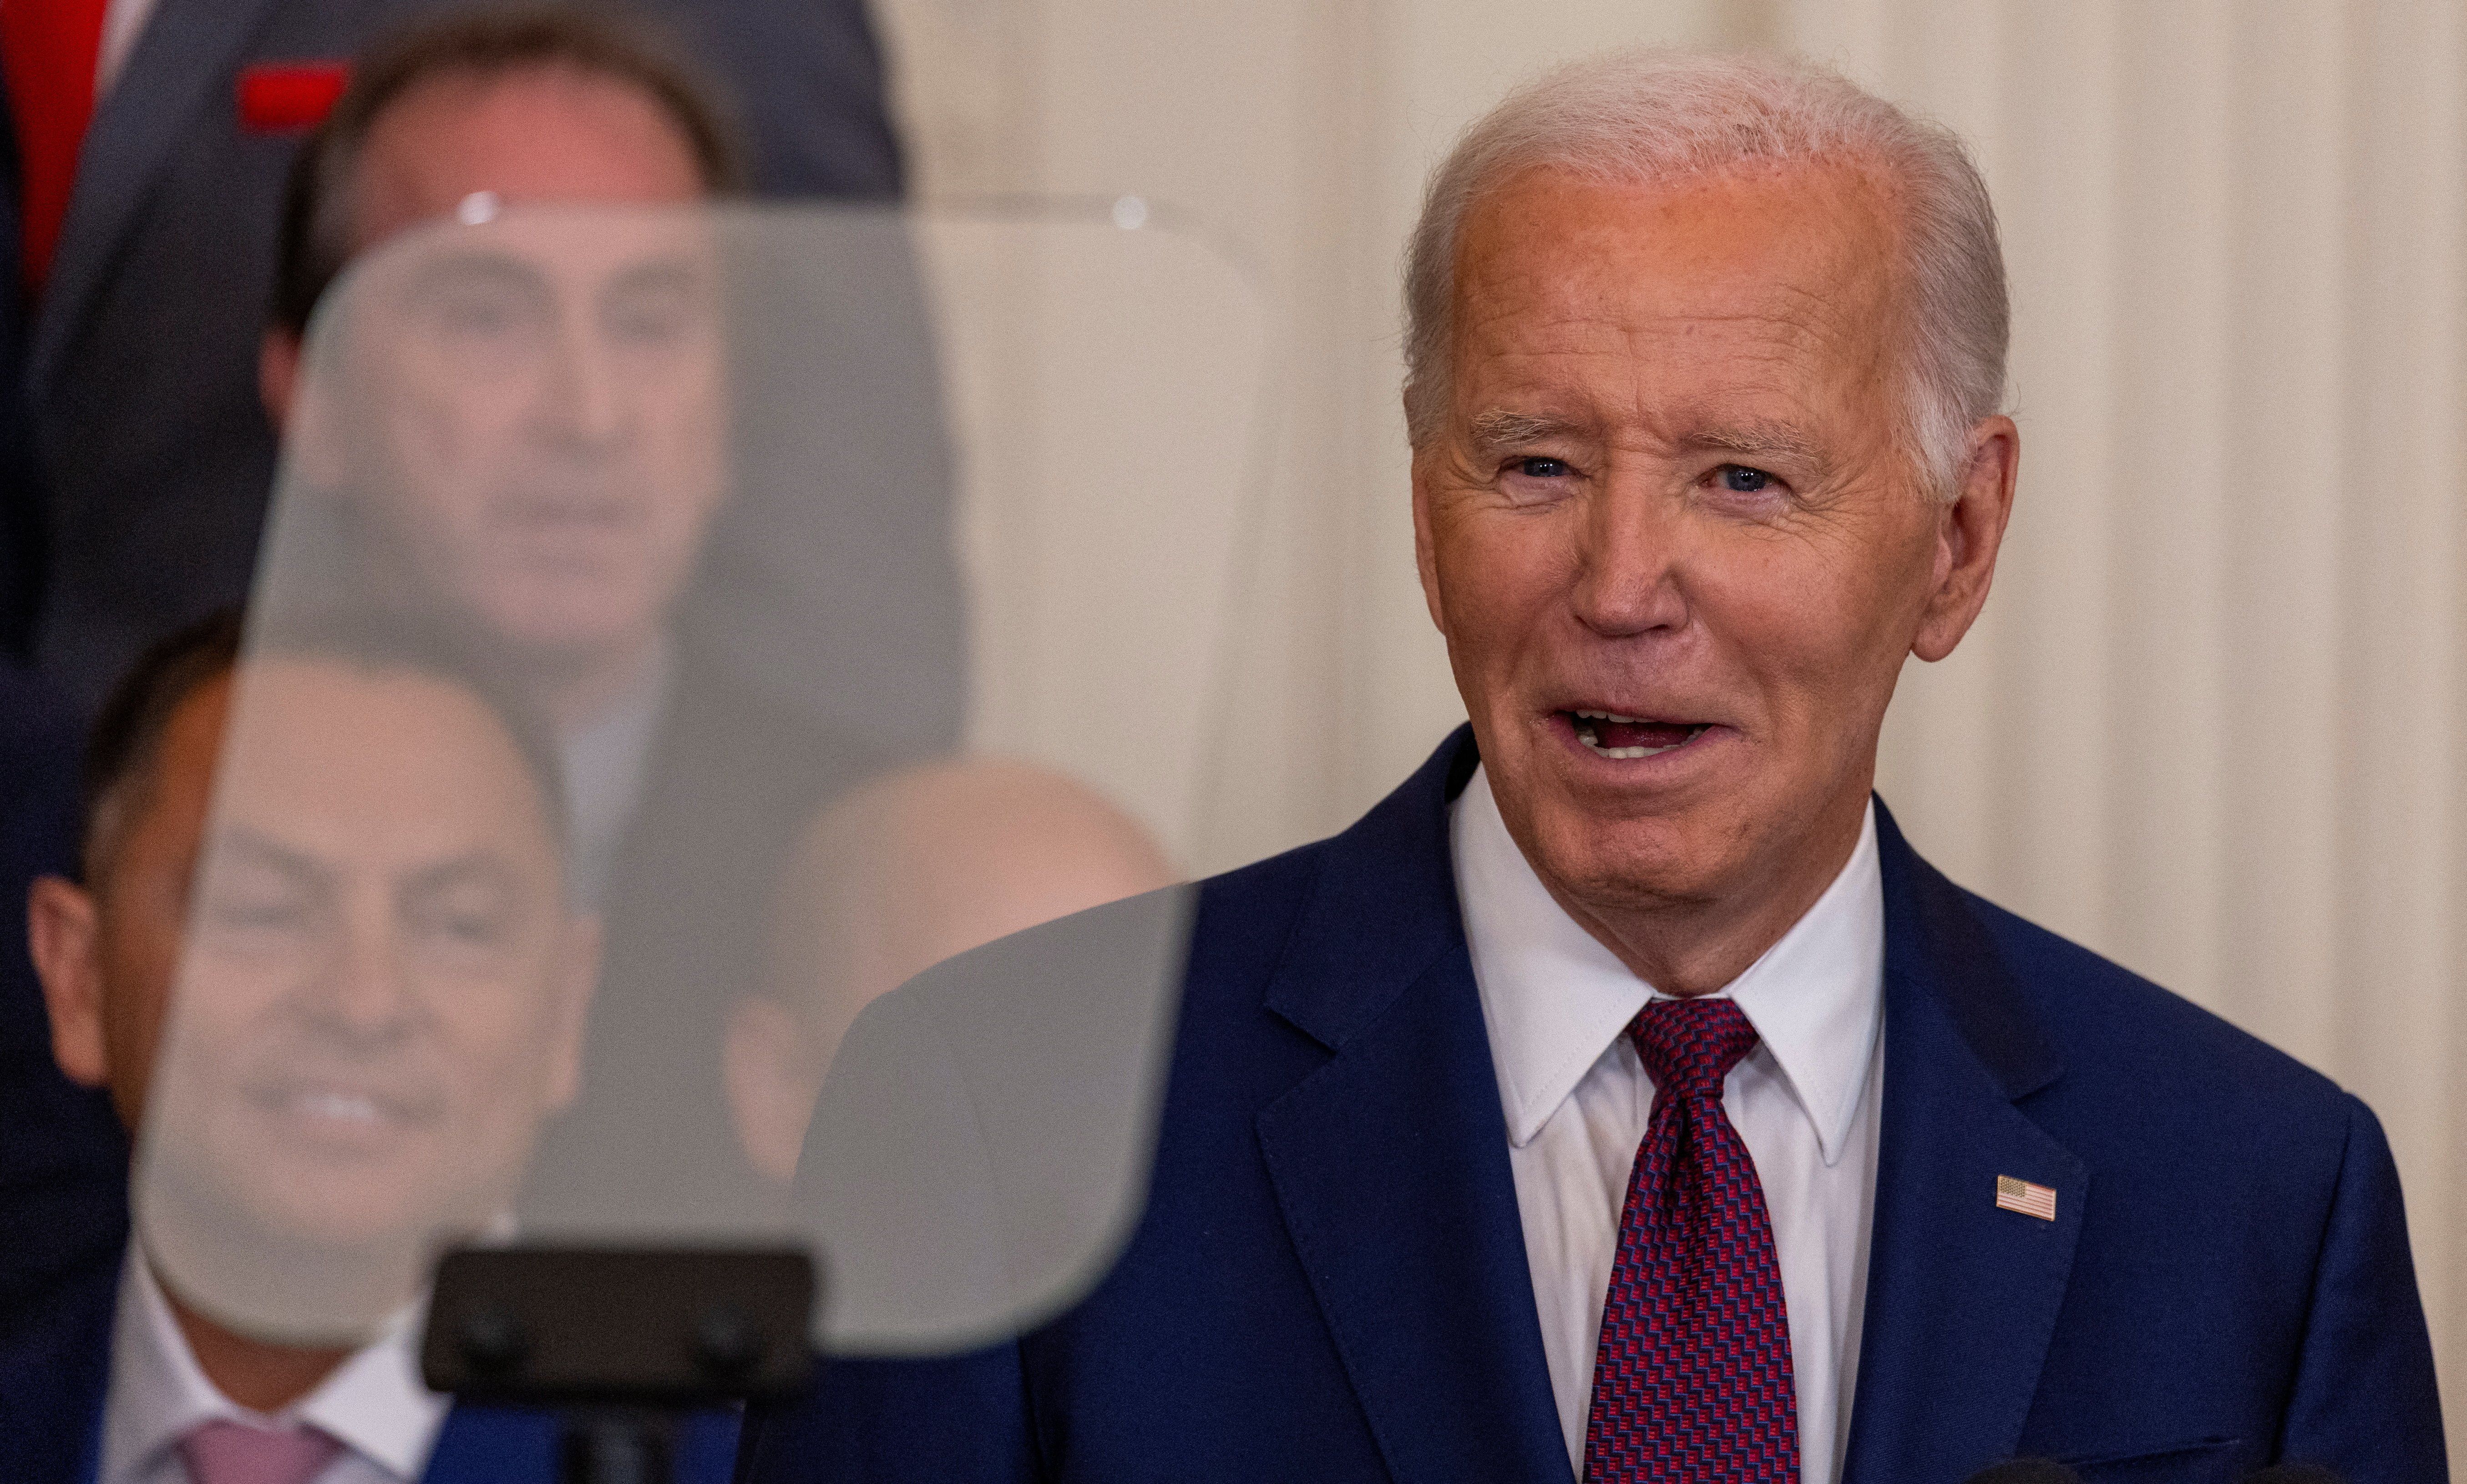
1623 1096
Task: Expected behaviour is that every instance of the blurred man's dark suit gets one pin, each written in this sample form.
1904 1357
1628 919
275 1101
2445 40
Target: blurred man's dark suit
138 464
64 1159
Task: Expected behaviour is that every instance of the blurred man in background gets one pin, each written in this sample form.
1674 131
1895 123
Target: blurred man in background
528 110
524 418
339 985
535 420
905 871
153 138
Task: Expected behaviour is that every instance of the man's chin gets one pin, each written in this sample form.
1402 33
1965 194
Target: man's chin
363 1214
1630 848
562 630
307 1200
1632 871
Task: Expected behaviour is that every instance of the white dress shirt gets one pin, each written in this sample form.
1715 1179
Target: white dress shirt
123 21
607 766
1804 1101
374 1403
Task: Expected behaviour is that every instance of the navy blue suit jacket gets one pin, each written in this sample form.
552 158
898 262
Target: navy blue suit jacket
1329 1281
55 1360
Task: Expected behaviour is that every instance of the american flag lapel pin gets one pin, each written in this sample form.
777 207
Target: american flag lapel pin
2019 1195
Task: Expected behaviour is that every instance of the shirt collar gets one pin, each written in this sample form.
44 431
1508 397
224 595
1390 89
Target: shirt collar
1555 998
373 1405
605 761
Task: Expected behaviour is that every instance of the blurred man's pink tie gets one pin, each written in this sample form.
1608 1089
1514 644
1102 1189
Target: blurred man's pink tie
231 1452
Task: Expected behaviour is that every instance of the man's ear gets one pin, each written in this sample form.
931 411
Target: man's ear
62 930
1425 551
1970 531
576 975
768 1067
277 374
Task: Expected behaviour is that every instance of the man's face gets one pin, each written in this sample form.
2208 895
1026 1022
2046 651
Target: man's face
1667 527
534 408
379 995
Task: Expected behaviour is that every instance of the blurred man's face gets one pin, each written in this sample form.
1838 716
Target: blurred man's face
1669 532
381 992
533 407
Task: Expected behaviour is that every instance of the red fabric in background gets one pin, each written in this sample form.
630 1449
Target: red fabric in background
280 98
48 50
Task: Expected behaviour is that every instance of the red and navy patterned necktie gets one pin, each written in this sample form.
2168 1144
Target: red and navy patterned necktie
1693 1381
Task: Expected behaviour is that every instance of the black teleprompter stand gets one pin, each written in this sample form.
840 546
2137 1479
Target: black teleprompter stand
621 1343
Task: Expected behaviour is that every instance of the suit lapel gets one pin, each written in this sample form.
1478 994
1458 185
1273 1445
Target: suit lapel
182 58
1961 1295
54 1367
1389 1161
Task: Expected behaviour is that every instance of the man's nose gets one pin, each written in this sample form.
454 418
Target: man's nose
365 998
582 399
1629 552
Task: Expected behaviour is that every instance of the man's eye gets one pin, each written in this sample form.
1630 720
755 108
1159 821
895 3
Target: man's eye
1740 480
651 322
465 923
1543 468
254 914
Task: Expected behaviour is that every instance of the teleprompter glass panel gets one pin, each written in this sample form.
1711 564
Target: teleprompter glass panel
726 698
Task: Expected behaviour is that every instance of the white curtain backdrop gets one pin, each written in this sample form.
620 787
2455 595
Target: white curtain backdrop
2213 724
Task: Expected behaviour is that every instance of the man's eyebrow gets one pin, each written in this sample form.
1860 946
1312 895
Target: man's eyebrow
1498 429
665 275
486 867
247 847
454 270
1757 439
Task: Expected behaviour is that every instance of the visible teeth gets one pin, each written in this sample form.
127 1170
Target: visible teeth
1593 739
1610 716
338 1105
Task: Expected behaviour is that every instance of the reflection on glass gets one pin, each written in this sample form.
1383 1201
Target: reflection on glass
909 870
382 994
534 412
617 845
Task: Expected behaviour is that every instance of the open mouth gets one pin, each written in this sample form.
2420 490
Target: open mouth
1610 734
341 1109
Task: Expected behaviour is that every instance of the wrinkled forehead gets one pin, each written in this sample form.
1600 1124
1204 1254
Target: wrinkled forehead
1791 267
534 133
377 763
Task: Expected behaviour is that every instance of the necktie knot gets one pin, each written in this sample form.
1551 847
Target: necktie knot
1690 1045
233 1453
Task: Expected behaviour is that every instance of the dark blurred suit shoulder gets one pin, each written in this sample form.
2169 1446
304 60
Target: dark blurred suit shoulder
140 462
64 1160
1329 1280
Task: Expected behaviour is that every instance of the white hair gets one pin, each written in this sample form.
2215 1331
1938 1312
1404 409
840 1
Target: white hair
1648 117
